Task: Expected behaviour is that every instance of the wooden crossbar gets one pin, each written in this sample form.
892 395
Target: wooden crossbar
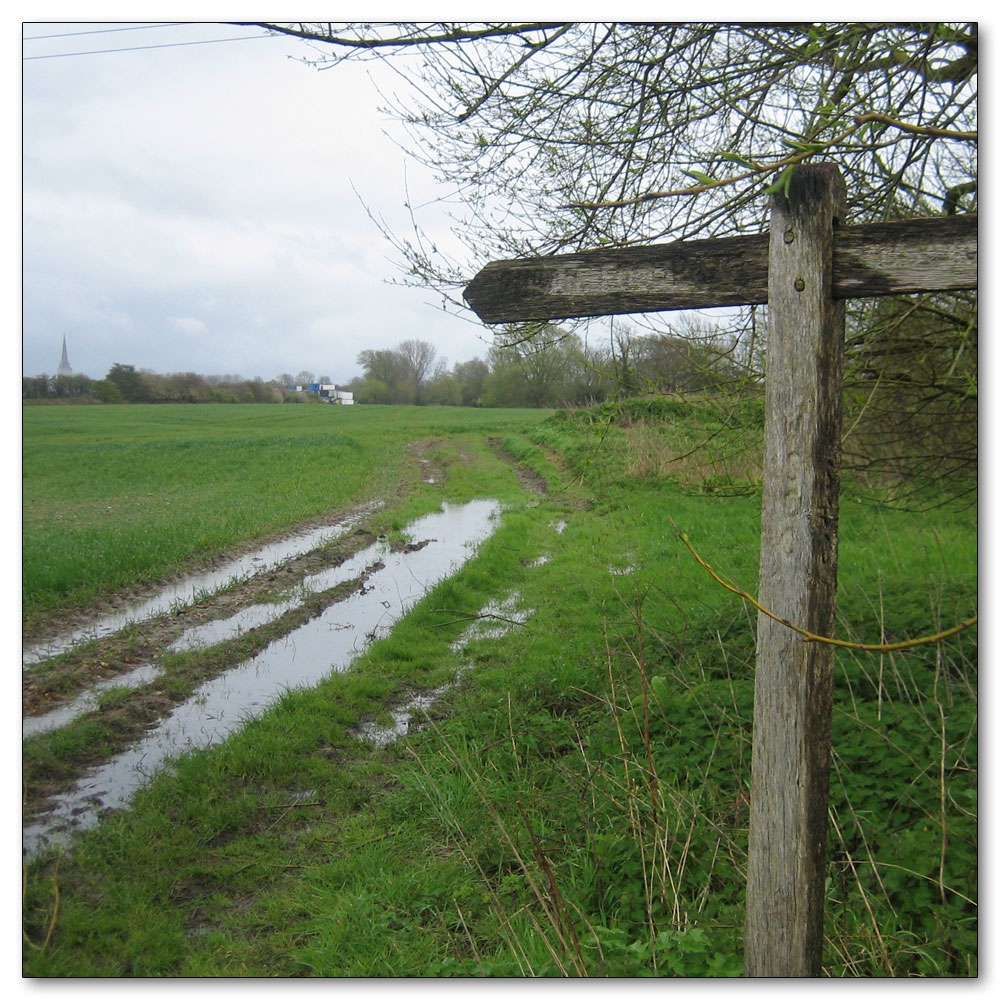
884 258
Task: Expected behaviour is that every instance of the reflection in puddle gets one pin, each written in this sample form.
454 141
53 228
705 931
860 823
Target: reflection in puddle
495 621
257 615
382 736
245 620
326 644
192 587
88 701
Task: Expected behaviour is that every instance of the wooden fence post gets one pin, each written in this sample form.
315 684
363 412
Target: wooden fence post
804 270
798 581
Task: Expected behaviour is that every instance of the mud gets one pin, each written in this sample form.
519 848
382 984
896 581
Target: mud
88 701
51 683
187 590
493 622
529 479
332 614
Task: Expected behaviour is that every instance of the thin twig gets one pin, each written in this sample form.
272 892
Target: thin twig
763 169
52 920
808 636
937 133
471 618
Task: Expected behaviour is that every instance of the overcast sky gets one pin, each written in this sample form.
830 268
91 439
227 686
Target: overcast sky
190 208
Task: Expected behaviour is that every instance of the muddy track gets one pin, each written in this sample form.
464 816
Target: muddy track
41 628
121 720
147 643
57 680
531 481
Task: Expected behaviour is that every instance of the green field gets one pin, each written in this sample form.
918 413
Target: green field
119 496
577 804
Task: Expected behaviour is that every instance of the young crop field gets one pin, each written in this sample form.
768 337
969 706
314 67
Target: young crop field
542 768
121 496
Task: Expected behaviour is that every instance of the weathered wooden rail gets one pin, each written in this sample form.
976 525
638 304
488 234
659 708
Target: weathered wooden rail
885 258
803 269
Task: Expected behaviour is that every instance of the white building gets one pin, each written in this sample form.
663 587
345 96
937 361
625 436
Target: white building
329 393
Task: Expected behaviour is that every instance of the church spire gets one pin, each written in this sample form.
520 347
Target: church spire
64 368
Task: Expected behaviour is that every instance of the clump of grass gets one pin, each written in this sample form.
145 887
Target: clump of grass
659 455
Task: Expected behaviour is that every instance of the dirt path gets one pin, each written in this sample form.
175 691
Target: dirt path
55 683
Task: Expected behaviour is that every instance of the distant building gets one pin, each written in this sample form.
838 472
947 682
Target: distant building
328 393
64 368
334 395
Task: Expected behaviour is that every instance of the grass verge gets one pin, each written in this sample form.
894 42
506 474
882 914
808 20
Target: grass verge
576 802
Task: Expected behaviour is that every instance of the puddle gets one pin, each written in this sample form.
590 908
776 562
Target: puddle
623 570
186 591
87 702
382 736
245 620
326 644
495 621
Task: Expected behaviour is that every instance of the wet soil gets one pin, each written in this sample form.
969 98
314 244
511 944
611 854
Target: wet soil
529 479
356 603
55 682
58 680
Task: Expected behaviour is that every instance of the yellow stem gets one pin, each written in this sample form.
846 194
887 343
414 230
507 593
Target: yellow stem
808 636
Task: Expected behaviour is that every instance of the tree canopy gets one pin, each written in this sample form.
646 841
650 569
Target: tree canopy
567 136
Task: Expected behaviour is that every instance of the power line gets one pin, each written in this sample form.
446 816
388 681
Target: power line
140 48
104 31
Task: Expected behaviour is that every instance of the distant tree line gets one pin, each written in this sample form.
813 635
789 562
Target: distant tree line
539 365
542 365
911 379
124 384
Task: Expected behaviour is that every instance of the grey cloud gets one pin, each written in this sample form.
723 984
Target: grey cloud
192 209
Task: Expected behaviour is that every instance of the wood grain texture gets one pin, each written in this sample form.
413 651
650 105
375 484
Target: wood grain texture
898 258
793 685
889 258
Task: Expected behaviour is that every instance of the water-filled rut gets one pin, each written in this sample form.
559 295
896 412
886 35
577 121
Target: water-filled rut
188 589
393 580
